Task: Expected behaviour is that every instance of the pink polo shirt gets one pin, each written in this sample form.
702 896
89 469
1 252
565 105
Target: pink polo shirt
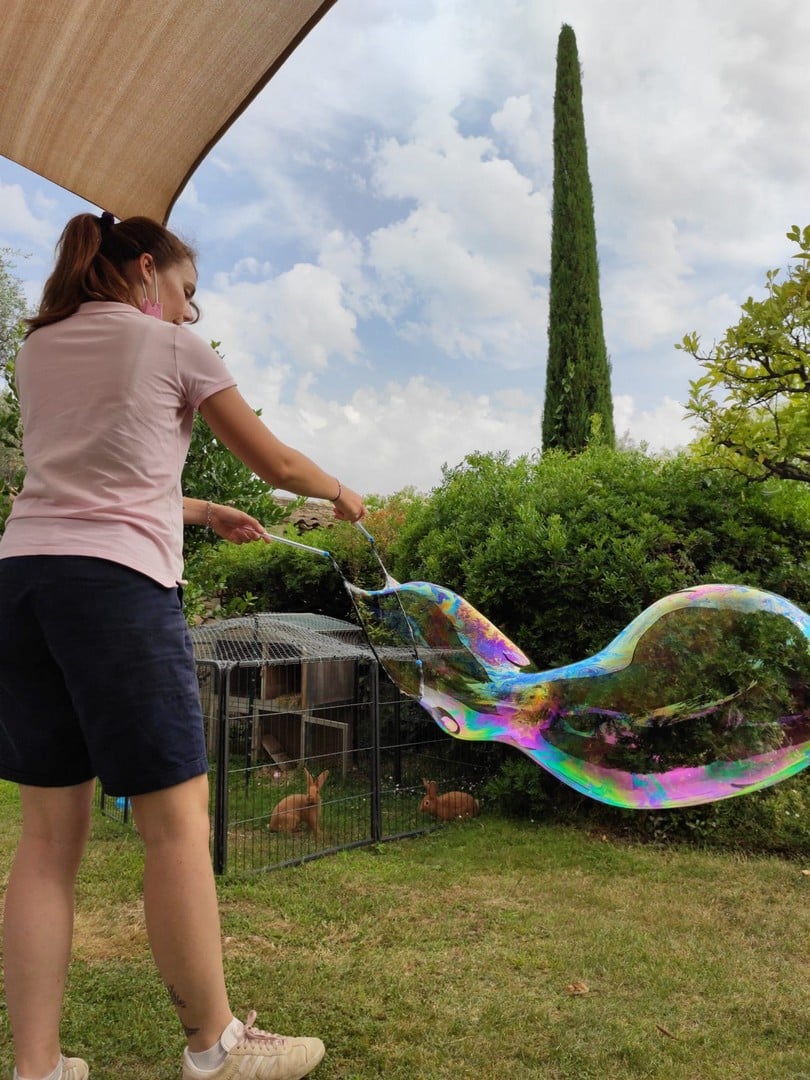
107 399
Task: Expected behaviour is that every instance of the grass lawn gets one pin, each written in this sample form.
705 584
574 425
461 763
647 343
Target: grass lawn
488 949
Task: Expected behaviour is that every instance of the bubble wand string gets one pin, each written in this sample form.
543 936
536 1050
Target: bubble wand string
390 583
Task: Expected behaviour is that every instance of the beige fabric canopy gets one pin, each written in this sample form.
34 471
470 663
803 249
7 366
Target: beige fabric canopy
120 100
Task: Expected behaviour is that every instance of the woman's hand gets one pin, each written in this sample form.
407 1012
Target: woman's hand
226 521
234 525
349 505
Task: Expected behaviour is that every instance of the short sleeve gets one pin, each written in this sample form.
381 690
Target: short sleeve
200 369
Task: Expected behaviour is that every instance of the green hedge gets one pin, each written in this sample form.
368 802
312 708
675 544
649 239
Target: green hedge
563 552
775 820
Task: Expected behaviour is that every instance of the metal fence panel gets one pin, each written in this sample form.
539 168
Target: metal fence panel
282 694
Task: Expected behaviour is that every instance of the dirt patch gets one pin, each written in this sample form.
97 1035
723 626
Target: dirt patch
110 933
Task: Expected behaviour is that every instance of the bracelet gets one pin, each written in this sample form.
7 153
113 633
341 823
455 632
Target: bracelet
209 520
340 492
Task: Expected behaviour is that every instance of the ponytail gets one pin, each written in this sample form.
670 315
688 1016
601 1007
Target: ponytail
91 259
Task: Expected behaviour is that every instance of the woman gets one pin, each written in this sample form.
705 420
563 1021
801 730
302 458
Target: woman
97 677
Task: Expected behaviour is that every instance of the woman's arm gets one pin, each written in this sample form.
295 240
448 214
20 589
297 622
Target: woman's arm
237 426
226 521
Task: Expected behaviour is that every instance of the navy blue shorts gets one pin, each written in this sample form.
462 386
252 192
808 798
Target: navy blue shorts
97 677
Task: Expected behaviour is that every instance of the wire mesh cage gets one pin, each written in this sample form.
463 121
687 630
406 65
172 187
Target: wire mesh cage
312 749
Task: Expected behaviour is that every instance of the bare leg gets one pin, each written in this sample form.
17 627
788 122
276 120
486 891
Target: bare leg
180 901
38 921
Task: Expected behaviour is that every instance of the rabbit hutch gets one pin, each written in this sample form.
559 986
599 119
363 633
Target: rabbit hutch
293 698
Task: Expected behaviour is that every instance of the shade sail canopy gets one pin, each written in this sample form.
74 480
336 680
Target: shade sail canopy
119 101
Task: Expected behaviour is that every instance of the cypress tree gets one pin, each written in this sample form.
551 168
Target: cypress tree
578 369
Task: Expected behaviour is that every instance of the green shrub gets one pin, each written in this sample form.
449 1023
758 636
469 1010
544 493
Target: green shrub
775 820
562 552
519 789
275 576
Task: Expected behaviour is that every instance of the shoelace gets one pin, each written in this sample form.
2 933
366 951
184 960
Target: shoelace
253 1034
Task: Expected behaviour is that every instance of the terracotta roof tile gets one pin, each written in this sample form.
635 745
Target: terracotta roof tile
313 514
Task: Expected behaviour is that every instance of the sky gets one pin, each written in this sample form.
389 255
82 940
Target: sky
374 232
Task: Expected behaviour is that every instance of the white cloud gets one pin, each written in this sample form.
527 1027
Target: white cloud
462 265
382 441
298 315
664 427
518 127
18 222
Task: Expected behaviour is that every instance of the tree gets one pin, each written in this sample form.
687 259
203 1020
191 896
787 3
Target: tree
578 403
13 309
759 425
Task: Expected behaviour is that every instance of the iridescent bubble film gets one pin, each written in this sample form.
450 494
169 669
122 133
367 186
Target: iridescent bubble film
705 695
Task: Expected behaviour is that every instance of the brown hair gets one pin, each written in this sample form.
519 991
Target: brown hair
91 255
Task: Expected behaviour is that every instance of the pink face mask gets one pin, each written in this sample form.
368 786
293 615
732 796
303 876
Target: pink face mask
151 307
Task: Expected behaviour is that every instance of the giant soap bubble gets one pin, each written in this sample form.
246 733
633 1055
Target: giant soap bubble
705 695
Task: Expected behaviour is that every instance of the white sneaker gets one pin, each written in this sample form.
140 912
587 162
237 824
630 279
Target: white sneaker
74 1069
258 1055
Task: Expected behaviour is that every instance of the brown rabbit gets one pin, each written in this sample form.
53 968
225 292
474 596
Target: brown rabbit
453 804
295 810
